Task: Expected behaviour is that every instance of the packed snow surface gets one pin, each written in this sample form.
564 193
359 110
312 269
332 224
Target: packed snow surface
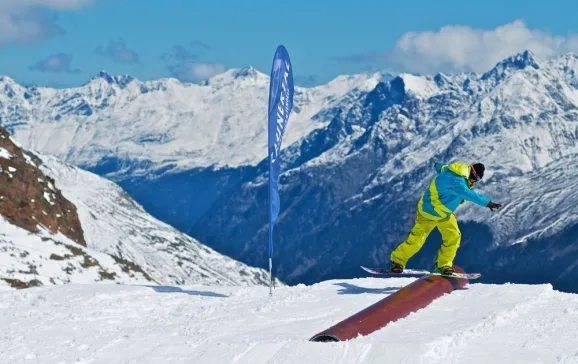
107 323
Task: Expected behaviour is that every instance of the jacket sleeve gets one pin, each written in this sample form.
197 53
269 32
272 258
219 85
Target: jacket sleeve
440 167
462 191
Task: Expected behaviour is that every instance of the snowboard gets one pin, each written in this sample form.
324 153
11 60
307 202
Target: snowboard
420 272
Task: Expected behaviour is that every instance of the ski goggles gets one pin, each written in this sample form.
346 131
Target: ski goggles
475 174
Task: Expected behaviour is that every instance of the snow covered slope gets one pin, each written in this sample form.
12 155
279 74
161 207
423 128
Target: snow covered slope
162 123
92 231
28 259
198 324
115 224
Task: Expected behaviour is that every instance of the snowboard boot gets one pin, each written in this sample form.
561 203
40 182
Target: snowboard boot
396 268
447 270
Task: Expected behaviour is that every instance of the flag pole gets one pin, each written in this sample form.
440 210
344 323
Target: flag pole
270 240
271 276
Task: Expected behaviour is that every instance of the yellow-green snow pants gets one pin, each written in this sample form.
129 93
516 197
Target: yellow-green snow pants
451 237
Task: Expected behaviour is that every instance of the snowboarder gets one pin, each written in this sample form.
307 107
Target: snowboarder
452 186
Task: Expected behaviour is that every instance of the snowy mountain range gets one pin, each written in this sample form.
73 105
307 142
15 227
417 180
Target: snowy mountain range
163 124
358 153
351 189
134 132
119 242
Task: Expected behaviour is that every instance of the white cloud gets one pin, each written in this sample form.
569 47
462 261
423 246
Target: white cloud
194 72
206 70
462 48
57 63
54 4
26 21
184 62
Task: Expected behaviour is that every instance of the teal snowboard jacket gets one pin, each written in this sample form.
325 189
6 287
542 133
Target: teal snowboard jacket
448 190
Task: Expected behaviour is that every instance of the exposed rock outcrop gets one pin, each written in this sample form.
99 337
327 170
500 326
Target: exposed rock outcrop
30 199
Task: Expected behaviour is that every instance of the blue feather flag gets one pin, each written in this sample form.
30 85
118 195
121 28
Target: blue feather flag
281 90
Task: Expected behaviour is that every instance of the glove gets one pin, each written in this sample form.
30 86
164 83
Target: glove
494 206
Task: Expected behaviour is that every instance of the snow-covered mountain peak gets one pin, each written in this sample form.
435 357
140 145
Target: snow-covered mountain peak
569 58
512 64
565 67
363 81
238 77
246 72
121 80
5 80
523 60
422 87
9 88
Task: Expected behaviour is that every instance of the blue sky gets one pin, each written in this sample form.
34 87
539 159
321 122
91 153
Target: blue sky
66 42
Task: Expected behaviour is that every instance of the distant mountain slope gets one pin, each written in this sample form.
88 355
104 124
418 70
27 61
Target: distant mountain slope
92 231
115 224
41 237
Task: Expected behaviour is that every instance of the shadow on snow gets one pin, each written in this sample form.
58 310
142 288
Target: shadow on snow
169 289
349 288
